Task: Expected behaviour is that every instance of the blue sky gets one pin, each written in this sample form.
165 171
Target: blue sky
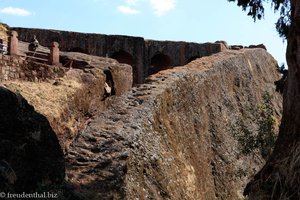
189 20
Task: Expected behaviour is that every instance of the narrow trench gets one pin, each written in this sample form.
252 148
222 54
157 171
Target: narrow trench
110 82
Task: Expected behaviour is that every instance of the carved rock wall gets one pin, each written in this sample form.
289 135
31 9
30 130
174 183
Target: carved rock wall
134 51
170 137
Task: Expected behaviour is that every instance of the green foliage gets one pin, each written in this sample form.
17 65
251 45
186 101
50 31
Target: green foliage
255 9
263 136
266 122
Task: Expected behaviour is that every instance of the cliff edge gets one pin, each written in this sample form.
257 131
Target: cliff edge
170 138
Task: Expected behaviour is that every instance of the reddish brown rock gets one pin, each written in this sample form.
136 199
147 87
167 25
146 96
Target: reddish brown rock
117 75
13 43
54 54
170 138
122 76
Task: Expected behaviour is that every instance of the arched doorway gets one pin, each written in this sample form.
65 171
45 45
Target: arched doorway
123 57
127 58
160 62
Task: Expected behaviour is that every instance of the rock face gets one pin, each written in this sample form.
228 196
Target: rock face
119 76
30 155
72 94
170 138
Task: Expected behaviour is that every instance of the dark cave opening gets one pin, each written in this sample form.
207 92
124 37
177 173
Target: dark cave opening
160 62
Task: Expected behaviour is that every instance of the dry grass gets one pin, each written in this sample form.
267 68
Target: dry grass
53 101
47 99
3 32
67 102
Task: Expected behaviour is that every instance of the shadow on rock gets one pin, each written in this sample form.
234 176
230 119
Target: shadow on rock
30 154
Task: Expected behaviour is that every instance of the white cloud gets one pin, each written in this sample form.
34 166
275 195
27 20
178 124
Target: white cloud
132 2
162 6
15 11
128 10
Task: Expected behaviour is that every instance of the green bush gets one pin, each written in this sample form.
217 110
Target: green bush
263 136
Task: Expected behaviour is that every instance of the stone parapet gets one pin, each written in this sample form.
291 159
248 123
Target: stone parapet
15 68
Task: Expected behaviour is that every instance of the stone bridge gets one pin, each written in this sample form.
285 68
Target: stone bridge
145 56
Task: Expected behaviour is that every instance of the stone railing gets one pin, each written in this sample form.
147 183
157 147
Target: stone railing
14 50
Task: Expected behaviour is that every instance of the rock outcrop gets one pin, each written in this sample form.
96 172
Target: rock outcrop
119 76
72 94
170 138
30 154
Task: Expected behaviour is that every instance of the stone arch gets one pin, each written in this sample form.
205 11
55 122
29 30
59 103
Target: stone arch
78 49
125 57
160 62
192 58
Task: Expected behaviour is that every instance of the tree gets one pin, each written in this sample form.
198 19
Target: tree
279 178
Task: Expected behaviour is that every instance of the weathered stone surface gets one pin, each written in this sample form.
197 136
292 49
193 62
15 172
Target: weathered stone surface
236 47
258 46
13 43
69 96
30 155
166 139
226 46
123 79
119 75
169 138
135 51
54 54
15 68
